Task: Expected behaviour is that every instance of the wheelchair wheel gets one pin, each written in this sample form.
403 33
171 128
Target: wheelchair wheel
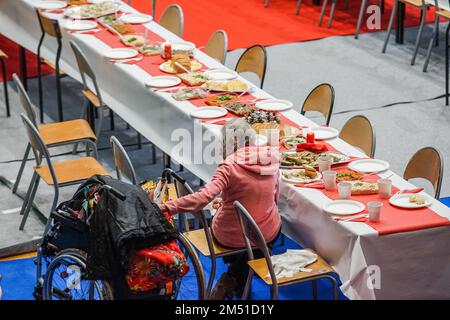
192 286
64 279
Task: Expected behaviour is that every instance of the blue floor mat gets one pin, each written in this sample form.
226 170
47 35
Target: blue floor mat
445 201
19 279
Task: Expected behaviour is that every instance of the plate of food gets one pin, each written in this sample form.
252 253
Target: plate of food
221 74
133 40
136 18
274 105
91 11
180 64
221 100
348 175
121 53
234 86
112 22
369 165
193 79
80 25
291 142
189 93
209 112
294 159
163 82
363 187
304 175
324 133
183 47
410 200
344 207
50 5
239 109
259 116
150 49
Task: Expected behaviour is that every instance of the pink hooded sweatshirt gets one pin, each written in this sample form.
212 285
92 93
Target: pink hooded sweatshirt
251 176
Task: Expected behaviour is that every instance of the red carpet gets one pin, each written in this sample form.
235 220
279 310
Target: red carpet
247 22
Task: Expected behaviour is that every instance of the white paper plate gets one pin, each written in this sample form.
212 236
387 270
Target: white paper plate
402 201
163 82
274 105
344 207
369 165
209 113
182 46
51 5
79 25
121 53
136 18
324 133
220 74
298 180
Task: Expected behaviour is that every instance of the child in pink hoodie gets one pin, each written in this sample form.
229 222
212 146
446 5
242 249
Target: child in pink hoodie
249 175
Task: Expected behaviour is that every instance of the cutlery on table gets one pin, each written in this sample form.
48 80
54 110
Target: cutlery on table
86 31
122 61
347 219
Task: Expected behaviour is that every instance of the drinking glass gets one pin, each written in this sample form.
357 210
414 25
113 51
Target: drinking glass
329 179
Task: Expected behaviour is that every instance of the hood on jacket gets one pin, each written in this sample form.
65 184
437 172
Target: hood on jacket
263 160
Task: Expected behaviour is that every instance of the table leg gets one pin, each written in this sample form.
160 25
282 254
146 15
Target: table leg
316 2
23 67
400 30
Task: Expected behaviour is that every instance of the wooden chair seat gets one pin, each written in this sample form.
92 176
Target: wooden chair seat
415 3
444 14
71 171
320 267
92 97
3 55
66 131
198 239
52 65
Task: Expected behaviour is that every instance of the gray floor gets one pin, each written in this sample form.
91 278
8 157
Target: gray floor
365 80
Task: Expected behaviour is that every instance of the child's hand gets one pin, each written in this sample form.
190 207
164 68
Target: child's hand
217 203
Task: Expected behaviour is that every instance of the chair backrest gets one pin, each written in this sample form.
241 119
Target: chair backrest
40 151
320 99
217 46
153 2
124 167
254 59
173 20
48 25
85 69
358 132
253 236
25 101
427 163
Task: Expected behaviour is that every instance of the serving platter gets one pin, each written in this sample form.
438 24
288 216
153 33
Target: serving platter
91 11
136 18
344 207
167 67
338 158
369 165
287 175
121 53
402 201
274 105
209 112
51 5
163 82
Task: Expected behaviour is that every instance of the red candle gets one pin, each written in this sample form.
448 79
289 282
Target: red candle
310 138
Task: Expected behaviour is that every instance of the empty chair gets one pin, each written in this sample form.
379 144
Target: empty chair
3 57
419 4
254 60
59 174
217 46
320 99
263 267
201 239
153 3
173 20
427 164
358 132
54 134
124 167
51 28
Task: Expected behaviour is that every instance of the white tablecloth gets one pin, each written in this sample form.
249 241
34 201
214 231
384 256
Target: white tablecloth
405 265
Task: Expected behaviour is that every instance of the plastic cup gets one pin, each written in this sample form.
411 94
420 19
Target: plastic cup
324 163
329 179
384 188
374 208
345 190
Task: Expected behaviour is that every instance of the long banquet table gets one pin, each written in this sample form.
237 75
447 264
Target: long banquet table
404 265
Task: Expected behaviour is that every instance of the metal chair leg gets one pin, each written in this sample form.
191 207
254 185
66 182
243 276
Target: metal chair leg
246 291
432 42
389 29
322 13
30 203
22 166
100 122
84 115
360 18
419 34
5 88
333 7
27 195
447 64
58 84
153 154
211 277
297 9
111 120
